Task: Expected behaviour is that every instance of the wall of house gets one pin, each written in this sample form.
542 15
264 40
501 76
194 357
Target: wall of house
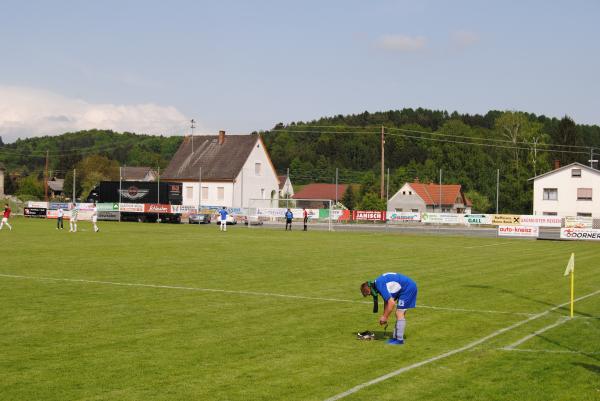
566 203
253 184
191 193
407 200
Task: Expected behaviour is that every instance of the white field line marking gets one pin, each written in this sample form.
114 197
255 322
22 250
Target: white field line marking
454 351
560 321
549 351
483 246
247 293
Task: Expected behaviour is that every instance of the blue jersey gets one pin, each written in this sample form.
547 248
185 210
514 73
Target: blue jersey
393 285
289 215
223 214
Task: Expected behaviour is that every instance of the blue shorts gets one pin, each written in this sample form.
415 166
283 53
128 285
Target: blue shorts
407 298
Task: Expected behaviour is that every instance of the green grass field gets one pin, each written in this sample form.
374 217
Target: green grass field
178 312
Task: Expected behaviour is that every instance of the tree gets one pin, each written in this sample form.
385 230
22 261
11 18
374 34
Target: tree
30 187
372 201
349 198
480 202
90 171
567 135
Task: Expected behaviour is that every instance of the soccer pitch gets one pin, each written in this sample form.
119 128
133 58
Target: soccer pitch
179 312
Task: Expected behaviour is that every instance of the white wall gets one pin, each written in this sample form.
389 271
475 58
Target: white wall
408 201
248 184
567 203
212 199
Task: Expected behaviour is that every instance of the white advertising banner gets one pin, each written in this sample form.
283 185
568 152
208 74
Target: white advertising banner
588 234
541 221
518 231
403 216
578 222
131 207
36 204
442 218
476 219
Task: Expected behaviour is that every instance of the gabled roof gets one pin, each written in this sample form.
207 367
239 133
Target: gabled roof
282 179
135 173
56 184
219 162
430 193
320 191
568 166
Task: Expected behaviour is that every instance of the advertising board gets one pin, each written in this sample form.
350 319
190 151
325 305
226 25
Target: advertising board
156 208
578 222
518 231
477 219
131 207
506 220
369 215
541 221
37 204
38 212
587 234
108 215
57 205
442 218
107 207
403 216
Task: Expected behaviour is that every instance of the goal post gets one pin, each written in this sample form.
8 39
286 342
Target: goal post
272 211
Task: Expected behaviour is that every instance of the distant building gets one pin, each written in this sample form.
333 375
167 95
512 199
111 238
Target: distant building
286 190
55 186
138 174
220 170
419 197
572 190
321 193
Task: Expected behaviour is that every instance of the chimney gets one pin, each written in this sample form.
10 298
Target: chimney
221 137
556 164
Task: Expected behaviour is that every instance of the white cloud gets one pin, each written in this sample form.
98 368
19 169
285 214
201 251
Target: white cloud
401 42
27 112
464 38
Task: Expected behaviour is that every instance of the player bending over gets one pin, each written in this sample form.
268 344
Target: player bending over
396 290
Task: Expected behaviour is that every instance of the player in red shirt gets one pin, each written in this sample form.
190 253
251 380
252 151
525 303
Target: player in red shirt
305 215
5 217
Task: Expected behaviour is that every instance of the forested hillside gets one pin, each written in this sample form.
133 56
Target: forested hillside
469 149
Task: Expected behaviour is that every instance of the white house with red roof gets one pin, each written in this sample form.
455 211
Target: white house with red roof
420 197
286 190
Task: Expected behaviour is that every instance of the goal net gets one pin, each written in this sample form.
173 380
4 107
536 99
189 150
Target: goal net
273 211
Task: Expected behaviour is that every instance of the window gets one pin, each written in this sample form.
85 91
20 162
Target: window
584 214
204 192
220 193
262 193
403 192
584 194
189 192
576 172
550 194
410 192
398 209
257 168
414 210
550 214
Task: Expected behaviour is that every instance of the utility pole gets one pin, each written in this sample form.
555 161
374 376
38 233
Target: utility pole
336 186
497 188
440 190
46 178
192 127
382 160
200 190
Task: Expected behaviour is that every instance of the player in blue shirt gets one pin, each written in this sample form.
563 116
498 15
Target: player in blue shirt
223 213
395 289
288 219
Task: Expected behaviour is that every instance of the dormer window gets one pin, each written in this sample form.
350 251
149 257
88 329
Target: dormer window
576 172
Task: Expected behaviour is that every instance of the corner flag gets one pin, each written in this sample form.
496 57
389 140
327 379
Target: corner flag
570 265
571 270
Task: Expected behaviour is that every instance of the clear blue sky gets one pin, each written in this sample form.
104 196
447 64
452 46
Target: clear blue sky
150 66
